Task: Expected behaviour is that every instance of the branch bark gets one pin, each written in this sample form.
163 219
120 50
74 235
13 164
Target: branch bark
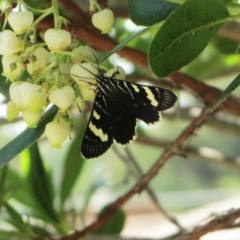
146 178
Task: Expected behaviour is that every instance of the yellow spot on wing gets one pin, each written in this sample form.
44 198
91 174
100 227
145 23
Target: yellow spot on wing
136 89
150 96
98 132
96 115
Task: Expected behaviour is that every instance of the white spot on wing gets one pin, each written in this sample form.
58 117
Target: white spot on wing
98 132
150 96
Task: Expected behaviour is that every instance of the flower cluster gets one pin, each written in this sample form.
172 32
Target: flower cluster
53 70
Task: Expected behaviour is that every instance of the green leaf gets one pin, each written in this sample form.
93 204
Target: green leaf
19 188
114 225
226 45
17 221
26 138
41 185
185 34
231 87
3 191
152 12
72 166
13 235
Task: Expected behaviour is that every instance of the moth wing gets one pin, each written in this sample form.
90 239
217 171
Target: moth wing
98 135
145 102
123 123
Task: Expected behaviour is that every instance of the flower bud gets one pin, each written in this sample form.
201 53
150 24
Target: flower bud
86 54
63 97
42 59
57 40
116 72
10 43
12 111
37 101
8 70
84 73
103 20
57 133
20 21
31 118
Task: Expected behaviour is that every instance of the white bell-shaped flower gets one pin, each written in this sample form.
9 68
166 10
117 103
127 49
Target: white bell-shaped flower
20 93
84 73
87 92
20 21
14 92
42 59
37 101
63 98
13 67
10 43
31 118
57 133
12 111
26 90
116 72
57 40
103 20
85 54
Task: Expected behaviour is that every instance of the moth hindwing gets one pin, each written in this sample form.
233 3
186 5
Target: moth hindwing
117 107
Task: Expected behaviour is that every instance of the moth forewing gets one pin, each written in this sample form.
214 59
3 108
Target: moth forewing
116 110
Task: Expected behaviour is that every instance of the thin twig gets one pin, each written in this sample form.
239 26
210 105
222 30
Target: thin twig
212 223
151 193
137 173
146 178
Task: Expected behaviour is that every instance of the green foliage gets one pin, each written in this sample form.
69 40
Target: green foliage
72 167
231 87
185 34
226 45
25 139
150 13
114 225
40 183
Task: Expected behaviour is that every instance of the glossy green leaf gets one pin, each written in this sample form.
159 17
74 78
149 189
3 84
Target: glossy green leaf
114 225
150 12
41 185
26 138
185 34
231 87
72 166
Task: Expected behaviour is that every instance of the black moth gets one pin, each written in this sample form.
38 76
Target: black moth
117 107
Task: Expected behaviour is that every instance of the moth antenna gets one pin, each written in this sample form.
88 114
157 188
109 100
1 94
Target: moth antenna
83 80
89 71
78 106
95 59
